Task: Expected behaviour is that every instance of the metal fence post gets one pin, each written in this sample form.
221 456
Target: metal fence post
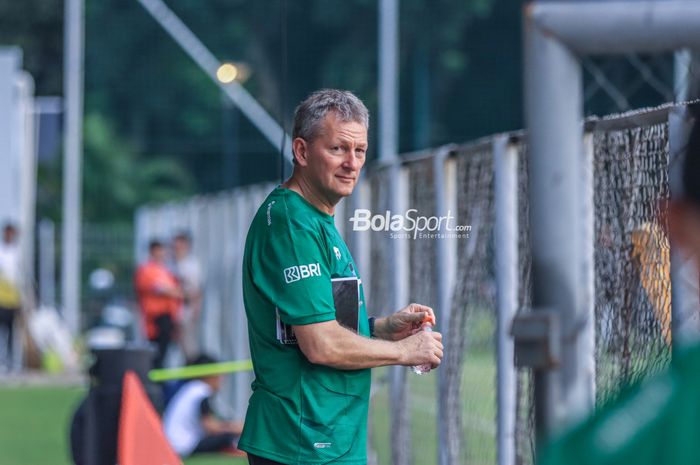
505 162
685 319
400 431
73 153
444 281
588 334
554 99
240 345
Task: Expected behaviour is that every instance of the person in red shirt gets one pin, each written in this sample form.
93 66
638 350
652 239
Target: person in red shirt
160 299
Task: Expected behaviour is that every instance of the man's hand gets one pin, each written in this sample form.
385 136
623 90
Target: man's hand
403 323
421 348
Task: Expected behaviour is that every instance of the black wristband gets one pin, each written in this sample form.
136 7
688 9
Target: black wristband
371 326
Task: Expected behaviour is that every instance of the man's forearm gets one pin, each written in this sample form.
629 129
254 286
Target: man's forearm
383 329
330 344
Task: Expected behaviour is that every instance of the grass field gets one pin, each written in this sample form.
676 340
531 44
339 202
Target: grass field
35 420
478 414
34 427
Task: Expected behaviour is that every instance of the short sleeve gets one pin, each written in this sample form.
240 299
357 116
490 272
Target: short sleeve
291 269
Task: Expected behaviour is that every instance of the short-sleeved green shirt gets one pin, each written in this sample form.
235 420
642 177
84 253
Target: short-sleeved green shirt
299 413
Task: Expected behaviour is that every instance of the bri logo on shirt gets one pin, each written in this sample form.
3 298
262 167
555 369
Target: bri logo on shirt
295 273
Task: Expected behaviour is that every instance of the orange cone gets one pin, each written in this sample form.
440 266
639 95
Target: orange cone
141 437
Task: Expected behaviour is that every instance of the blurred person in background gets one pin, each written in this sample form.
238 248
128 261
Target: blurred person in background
189 274
190 423
10 297
160 300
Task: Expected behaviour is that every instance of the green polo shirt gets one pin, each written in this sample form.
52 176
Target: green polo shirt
299 413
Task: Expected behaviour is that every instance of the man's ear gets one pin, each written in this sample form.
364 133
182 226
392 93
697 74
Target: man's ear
300 151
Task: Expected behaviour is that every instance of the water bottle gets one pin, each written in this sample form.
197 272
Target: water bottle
422 369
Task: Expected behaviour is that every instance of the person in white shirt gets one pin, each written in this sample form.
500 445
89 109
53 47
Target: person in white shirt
10 298
191 425
188 272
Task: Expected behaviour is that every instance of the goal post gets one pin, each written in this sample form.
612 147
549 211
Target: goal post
556 35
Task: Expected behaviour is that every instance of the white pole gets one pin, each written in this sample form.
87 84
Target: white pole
686 74
242 219
685 318
25 132
505 158
47 263
553 84
444 274
588 334
73 151
595 27
681 74
388 152
10 139
388 79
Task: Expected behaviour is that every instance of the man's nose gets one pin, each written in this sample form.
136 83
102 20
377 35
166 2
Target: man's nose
351 162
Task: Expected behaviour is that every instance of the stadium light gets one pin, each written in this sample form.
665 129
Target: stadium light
233 71
227 72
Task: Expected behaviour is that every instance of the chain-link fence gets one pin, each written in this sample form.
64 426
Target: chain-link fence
632 256
453 412
525 387
620 83
110 248
470 382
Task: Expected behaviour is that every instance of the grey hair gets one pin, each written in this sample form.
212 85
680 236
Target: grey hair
309 114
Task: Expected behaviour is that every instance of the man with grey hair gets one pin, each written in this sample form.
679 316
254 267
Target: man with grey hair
311 341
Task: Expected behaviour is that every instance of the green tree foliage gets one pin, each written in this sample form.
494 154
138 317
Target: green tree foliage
165 104
116 180
121 180
459 76
36 26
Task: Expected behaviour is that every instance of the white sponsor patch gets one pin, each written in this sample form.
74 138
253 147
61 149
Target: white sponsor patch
337 252
269 216
322 445
295 273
